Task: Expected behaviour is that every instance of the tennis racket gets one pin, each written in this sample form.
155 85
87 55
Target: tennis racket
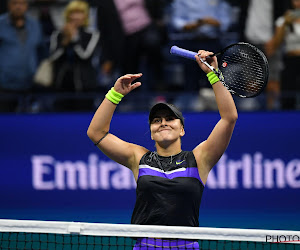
244 69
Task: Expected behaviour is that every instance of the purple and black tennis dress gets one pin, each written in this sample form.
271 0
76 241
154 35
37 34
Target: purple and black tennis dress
169 192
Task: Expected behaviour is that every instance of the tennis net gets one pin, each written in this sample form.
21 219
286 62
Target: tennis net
28 234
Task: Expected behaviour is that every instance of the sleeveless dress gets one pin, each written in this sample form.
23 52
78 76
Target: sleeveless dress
169 192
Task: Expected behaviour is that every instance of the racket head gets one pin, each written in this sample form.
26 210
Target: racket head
245 69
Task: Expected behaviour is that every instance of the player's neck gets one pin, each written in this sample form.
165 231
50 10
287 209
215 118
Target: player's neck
168 150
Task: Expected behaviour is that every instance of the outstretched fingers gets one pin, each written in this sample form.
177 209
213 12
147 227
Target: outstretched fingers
134 75
129 78
135 85
124 84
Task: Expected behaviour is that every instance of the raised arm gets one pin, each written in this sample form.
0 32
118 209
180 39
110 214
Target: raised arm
210 151
125 153
279 34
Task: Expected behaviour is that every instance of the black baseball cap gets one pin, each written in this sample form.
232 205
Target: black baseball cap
162 105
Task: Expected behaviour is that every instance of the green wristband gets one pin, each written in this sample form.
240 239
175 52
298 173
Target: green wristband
212 77
114 96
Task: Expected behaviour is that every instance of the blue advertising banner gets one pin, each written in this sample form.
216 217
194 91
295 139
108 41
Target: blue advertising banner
49 169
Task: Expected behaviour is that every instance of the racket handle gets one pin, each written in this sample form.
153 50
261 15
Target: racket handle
183 53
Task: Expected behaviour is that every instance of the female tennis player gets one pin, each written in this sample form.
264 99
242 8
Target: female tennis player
170 181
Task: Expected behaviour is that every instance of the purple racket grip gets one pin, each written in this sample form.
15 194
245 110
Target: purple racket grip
183 53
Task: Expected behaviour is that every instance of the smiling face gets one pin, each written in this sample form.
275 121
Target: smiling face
165 127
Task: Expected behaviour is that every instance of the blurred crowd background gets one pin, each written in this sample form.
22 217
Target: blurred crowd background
63 56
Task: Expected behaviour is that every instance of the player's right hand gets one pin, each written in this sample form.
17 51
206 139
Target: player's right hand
124 84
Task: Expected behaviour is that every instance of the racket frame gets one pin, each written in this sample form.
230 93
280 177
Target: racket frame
190 55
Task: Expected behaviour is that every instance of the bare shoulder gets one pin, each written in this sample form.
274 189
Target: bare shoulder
139 151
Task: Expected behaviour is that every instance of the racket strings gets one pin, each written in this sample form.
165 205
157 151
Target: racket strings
255 67
249 88
236 81
245 69
257 71
244 89
245 77
248 69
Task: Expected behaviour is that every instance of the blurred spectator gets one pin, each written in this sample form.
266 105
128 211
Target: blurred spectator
132 33
20 46
198 24
46 23
41 10
72 50
257 23
49 9
288 33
